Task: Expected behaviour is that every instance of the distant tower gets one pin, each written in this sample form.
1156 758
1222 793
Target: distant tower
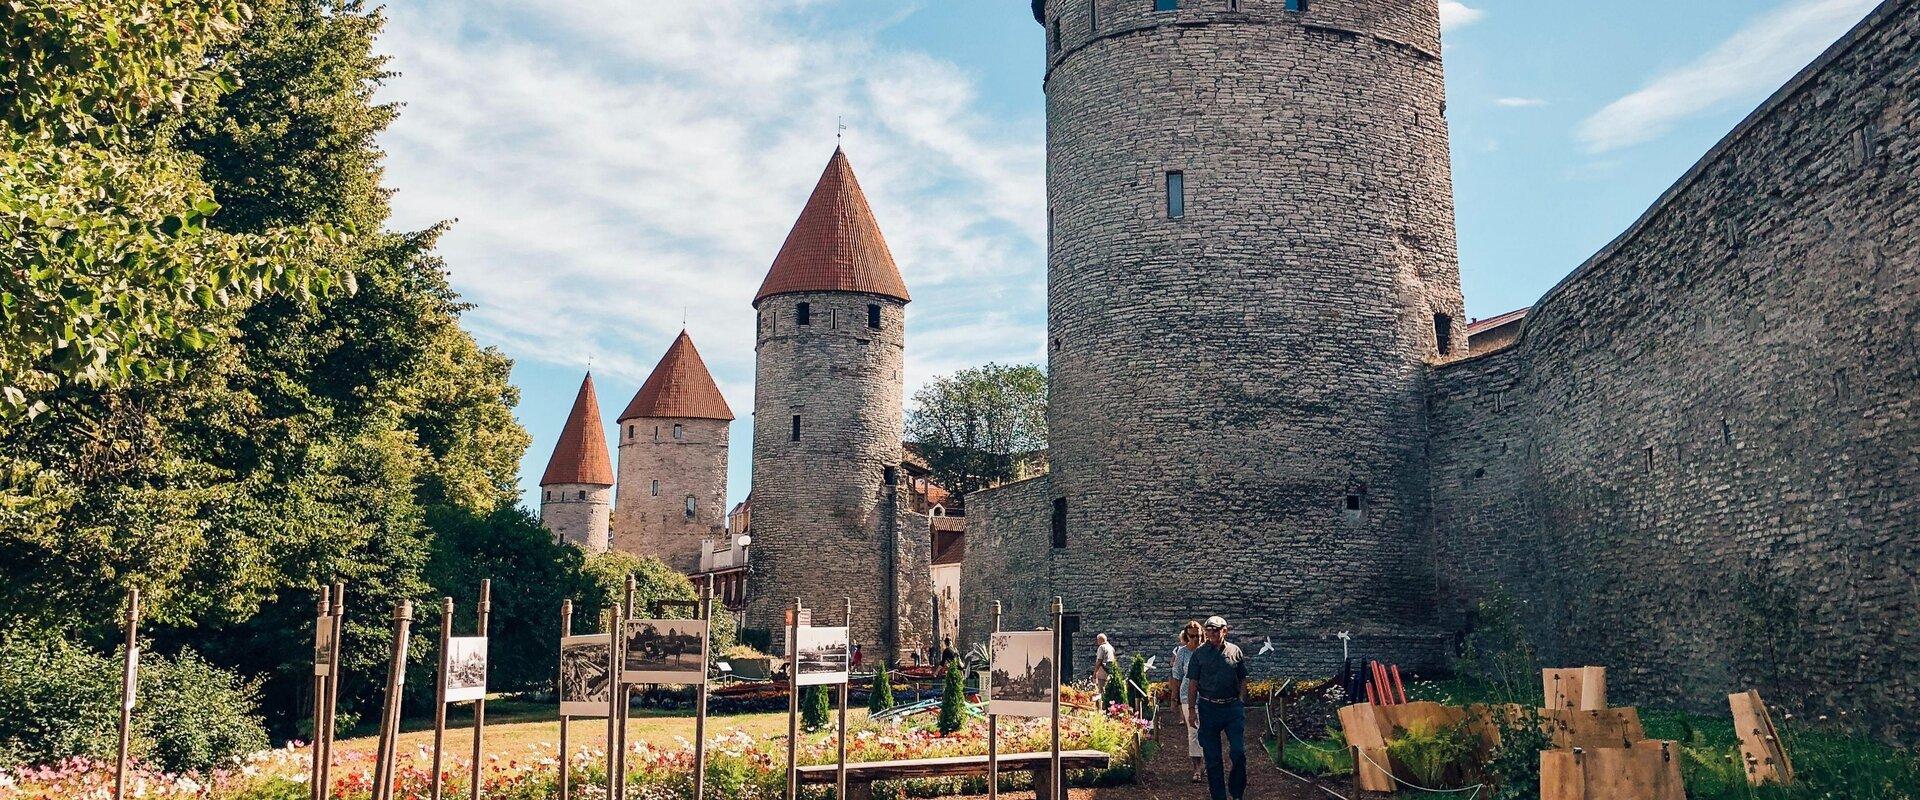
673 461
1251 259
576 493
827 417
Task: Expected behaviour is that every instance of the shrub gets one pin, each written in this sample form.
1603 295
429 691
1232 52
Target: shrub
815 709
1115 691
1514 767
59 700
1435 754
881 697
953 700
1137 683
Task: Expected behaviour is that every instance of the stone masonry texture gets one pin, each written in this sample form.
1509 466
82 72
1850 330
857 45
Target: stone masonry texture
1223 381
577 513
826 525
1698 464
692 465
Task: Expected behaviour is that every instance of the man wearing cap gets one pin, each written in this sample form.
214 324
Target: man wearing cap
1218 674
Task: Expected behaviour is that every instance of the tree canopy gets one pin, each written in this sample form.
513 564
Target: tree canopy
975 426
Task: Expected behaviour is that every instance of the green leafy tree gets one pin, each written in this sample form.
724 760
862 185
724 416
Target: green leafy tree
953 700
880 697
815 709
975 426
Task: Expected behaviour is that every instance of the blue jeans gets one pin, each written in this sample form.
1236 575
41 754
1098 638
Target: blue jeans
1230 720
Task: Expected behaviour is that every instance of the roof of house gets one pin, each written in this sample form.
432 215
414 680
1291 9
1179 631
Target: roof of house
1480 326
680 387
581 454
835 245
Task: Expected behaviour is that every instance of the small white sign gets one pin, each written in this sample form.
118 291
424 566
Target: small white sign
822 656
466 669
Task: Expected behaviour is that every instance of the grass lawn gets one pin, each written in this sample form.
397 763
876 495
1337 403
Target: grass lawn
513 728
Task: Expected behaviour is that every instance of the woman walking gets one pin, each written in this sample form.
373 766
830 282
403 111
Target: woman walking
1182 653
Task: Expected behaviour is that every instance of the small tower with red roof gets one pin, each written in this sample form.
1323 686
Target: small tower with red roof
576 492
673 461
830 345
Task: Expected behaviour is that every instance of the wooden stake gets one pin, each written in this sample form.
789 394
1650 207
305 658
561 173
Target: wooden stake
840 779
700 699
1056 782
480 705
322 621
129 691
625 693
993 720
333 688
390 716
566 629
793 703
440 700
617 638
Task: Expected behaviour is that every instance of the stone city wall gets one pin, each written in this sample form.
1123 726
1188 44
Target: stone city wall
647 523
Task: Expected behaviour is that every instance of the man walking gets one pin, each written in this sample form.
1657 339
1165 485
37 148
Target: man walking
1104 661
1217 676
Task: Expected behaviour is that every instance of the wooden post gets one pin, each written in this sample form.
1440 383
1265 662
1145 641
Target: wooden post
700 697
993 720
617 639
333 688
566 629
1057 782
390 715
129 691
840 780
440 700
322 620
793 703
624 691
480 705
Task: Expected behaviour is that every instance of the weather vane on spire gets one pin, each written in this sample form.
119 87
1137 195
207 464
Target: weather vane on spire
839 129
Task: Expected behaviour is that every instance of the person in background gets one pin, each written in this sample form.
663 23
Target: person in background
1182 654
1217 673
855 657
1104 661
947 655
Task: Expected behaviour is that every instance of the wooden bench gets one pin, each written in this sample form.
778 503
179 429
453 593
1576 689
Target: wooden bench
862 774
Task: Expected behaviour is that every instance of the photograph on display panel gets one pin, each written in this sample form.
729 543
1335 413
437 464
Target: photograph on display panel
665 651
1023 680
586 675
466 668
323 647
822 655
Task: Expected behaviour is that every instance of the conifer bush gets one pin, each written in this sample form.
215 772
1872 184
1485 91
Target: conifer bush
881 697
953 700
815 709
1137 683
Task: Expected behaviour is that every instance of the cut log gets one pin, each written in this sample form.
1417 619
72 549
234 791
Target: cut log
1761 749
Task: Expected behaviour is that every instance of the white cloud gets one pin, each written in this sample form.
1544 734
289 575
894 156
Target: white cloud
1455 14
1755 60
614 166
1520 102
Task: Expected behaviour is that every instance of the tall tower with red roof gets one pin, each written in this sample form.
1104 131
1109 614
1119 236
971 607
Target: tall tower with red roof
673 461
828 423
576 492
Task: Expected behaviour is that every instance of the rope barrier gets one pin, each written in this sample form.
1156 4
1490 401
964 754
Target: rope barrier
1396 779
1289 730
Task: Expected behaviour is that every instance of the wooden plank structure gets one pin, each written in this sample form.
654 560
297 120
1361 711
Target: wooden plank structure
861 775
1368 726
1612 727
1649 770
1578 688
1762 751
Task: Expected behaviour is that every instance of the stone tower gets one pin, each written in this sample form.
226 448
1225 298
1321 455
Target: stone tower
1251 259
827 417
673 461
576 492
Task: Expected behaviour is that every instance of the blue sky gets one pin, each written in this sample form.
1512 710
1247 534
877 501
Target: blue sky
616 167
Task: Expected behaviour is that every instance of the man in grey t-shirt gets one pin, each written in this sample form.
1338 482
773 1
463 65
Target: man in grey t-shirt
1218 671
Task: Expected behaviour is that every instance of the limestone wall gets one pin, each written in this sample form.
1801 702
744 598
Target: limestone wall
824 520
1699 465
578 514
694 463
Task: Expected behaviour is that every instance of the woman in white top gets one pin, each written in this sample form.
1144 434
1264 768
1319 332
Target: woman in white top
1190 639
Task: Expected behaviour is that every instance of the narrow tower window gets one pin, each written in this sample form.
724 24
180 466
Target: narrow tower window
679 432
873 316
1296 5
630 429
690 506
1176 195
796 429
892 476
803 313
1443 333
549 495
583 495
1166 5
1093 16
1059 522
656 433
656 488
1355 507
1054 35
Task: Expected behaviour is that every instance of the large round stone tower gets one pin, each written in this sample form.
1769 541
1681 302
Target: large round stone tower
673 461
827 418
1251 256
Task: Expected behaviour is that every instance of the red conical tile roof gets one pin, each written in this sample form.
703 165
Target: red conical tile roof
680 386
581 454
836 245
